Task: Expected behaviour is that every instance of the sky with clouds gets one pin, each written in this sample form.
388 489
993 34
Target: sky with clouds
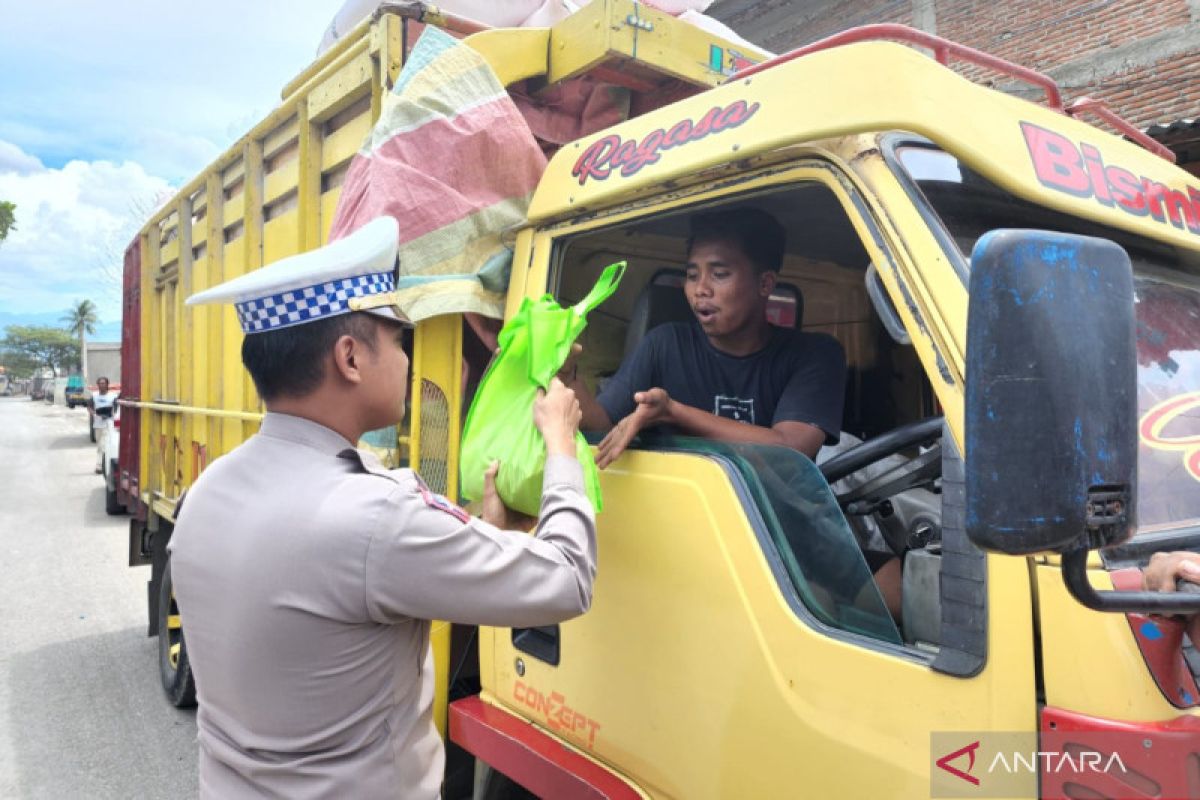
105 108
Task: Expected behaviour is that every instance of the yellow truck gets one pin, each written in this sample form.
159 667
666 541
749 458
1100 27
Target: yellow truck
1016 293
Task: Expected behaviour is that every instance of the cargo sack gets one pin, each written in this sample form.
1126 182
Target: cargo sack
534 345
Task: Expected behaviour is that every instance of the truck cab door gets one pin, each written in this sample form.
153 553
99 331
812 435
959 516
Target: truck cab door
736 647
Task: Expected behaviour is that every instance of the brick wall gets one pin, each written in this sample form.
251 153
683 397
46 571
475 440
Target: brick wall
780 25
1041 35
1140 56
1160 92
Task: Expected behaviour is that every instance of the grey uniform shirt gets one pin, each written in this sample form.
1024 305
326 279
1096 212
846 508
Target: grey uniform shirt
306 575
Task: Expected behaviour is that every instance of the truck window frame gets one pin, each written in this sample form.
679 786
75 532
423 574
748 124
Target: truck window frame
890 145
813 166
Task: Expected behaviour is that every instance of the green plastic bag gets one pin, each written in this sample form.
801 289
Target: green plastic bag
534 345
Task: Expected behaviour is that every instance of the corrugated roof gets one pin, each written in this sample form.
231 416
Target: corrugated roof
1183 137
1160 130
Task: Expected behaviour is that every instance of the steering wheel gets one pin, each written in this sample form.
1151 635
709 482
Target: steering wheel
865 499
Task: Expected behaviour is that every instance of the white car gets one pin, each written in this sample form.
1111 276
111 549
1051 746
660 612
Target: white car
112 449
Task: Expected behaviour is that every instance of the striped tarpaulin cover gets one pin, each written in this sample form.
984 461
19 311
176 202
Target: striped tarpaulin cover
453 160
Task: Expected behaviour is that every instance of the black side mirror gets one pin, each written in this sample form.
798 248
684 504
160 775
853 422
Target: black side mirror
1051 414
1051 405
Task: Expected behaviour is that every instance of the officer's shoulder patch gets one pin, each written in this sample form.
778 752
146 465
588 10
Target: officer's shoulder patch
441 502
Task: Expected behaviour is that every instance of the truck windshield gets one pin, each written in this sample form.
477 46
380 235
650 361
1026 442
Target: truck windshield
1167 282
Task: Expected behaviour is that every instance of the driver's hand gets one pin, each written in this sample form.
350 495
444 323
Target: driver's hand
653 408
653 405
570 368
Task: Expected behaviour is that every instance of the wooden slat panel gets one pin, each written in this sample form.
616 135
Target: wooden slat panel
182 313
235 260
170 333
282 181
342 87
232 175
284 155
328 206
233 211
309 181
195 389
279 139
232 373
281 236
199 232
186 347
253 241
284 205
209 375
170 253
264 199
341 145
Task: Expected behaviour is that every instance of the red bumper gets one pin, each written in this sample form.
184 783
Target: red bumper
1160 759
530 757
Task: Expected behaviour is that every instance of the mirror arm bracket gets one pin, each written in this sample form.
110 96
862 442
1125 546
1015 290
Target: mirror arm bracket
1074 572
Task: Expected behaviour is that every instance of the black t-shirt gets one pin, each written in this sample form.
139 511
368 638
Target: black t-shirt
798 377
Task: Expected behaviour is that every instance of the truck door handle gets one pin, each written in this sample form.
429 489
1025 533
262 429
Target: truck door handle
541 643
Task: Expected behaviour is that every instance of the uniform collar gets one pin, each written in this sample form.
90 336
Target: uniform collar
304 431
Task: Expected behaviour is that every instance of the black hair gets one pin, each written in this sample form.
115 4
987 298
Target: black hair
290 362
757 233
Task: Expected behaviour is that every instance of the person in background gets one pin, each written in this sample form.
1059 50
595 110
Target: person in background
101 406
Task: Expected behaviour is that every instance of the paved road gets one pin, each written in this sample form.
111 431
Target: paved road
81 712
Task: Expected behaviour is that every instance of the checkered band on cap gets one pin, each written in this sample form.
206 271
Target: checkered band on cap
297 306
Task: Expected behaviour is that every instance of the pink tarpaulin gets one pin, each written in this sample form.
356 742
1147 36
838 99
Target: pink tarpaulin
455 158
452 159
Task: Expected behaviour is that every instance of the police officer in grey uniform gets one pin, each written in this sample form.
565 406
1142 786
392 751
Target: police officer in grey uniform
307 574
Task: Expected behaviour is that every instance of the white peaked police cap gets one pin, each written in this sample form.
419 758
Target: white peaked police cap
354 273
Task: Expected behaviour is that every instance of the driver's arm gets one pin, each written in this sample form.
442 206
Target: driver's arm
594 418
807 413
638 371
656 407
800 436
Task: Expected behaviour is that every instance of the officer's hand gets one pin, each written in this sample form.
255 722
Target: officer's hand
556 414
495 512
653 408
1164 570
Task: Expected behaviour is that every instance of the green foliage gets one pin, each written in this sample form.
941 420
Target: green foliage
18 365
41 346
8 218
81 318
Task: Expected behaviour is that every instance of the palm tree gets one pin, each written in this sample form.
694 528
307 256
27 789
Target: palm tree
81 320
